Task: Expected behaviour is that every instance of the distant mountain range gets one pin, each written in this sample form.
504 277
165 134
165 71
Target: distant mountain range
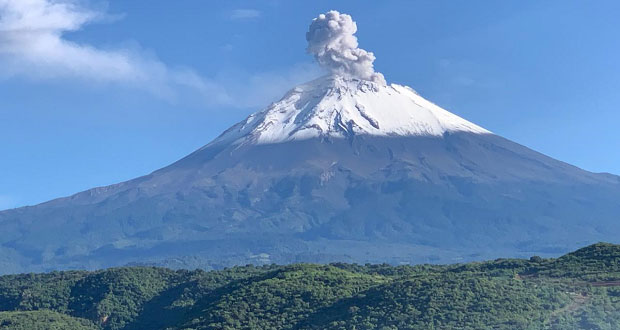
340 169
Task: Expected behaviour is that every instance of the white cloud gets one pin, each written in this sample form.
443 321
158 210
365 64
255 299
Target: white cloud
240 14
32 45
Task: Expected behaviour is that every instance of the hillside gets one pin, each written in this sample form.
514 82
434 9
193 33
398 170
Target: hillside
580 290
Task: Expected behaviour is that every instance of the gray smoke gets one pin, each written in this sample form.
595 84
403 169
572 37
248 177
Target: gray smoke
332 41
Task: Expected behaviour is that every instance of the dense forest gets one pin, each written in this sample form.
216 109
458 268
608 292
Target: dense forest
580 290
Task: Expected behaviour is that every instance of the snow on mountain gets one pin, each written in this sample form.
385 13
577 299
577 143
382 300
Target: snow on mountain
335 106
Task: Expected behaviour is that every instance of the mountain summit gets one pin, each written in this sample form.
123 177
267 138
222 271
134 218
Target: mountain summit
344 168
335 106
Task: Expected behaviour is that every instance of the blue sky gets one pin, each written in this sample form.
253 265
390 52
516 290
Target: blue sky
97 92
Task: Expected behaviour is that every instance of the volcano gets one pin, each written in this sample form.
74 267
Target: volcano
340 169
345 168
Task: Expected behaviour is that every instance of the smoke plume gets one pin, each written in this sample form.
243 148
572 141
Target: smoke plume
331 39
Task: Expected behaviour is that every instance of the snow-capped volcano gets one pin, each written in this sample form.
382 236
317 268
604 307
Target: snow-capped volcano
336 106
343 168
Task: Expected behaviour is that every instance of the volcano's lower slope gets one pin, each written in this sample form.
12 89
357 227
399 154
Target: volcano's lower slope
456 197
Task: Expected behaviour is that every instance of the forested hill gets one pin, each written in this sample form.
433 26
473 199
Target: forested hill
580 290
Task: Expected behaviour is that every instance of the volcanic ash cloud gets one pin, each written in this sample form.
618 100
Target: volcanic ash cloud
331 39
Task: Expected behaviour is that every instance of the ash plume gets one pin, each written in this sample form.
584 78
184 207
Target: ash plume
331 39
